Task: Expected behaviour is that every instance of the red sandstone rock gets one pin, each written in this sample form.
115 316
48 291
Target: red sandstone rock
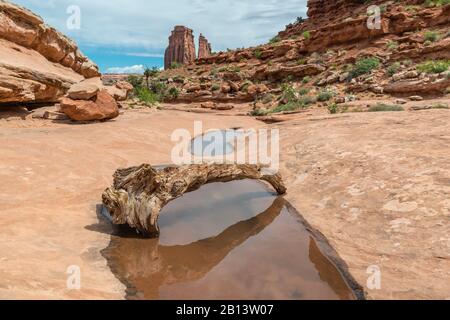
181 47
103 108
204 47
86 89
38 63
125 86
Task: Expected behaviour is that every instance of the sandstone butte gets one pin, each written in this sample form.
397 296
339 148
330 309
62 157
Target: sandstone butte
181 49
375 184
204 47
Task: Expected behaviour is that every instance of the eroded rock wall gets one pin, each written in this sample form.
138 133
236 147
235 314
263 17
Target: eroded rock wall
38 64
24 28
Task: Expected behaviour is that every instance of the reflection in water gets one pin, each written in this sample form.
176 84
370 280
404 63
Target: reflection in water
266 256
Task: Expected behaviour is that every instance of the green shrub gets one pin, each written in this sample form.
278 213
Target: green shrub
364 66
432 36
258 53
294 105
393 68
324 95
147 96
333 108
306 35
303 91
434 66
173 93
382 107
288 93
274 39
436 3
392 45
259 112
135 81
440 106
176 65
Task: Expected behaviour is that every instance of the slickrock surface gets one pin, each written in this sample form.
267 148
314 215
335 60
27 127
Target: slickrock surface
376 185
37 63
181 47
51 186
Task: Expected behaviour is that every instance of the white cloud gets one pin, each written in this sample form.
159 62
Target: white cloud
145 25
127 70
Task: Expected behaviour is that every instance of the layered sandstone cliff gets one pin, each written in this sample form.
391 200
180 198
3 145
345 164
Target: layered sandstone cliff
37 63
181 47
204 47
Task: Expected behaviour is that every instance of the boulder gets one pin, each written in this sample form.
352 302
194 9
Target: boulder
208 105
103 107
125 85
117 93
86 89
225 88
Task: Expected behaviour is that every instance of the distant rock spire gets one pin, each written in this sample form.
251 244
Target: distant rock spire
181 47
204 47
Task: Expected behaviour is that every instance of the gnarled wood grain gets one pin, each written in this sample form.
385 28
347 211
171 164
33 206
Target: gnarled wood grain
139 193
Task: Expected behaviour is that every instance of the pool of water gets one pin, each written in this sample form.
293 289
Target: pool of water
233 240
215 143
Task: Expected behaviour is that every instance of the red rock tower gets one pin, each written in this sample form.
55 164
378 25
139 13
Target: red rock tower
204 47
181 47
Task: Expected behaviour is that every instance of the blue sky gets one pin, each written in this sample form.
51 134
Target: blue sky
128 35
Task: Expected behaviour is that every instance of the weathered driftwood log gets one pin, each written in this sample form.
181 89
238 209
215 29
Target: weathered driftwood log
139 193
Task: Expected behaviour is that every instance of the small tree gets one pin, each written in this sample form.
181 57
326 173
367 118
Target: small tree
150 73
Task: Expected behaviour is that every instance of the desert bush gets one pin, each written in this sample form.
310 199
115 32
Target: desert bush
436 3
325 95
306 35
173 93
136 81
440 106
432 36
274 40
147 96
333 108
364 66
300 103
392 45
382 107
393 68
434 66
176 65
